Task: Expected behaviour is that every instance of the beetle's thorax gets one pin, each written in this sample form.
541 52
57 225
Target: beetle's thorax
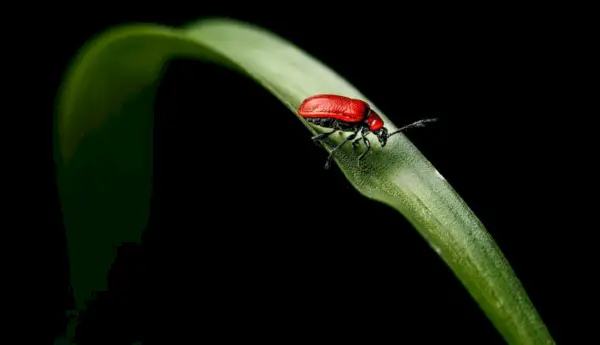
374 121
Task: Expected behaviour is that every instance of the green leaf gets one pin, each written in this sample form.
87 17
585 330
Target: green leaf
104 158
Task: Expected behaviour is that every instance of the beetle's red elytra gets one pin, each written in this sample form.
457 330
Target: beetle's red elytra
347 114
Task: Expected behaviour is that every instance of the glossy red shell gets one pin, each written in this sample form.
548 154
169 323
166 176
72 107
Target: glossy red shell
374 121
335 107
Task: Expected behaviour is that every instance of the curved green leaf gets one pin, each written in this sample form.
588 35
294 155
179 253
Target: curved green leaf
104 157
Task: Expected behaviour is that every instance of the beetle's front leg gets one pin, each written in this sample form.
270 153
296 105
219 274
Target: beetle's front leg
363 134
330 157
367 144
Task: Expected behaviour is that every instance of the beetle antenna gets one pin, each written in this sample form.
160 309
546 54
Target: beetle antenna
420 123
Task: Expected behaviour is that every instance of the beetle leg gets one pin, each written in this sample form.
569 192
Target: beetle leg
323 136
351 137
363 133
368 145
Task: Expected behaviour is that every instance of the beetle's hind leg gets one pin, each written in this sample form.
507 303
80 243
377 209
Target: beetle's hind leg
327 123
323 136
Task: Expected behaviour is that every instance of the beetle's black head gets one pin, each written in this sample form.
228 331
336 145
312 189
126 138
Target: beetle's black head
382 135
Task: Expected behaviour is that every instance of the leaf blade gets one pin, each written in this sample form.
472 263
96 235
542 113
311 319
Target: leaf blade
132 57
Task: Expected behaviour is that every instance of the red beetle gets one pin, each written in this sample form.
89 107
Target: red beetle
347 114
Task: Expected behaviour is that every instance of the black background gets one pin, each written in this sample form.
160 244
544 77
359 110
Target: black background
307 257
